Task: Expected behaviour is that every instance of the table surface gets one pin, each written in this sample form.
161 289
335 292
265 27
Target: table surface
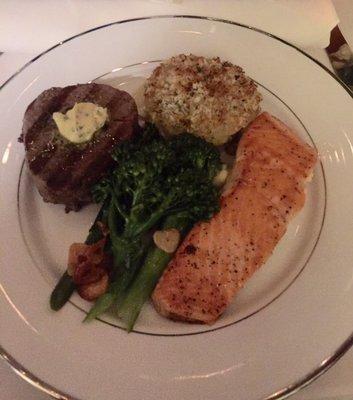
336 384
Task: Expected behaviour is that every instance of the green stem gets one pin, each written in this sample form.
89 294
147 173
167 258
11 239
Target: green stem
149 274
117 289
116 204
62 292
127 259
66 286
136 229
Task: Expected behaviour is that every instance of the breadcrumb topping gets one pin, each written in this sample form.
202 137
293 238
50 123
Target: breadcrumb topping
202 96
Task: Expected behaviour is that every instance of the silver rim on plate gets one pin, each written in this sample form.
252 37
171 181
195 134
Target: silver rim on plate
280 394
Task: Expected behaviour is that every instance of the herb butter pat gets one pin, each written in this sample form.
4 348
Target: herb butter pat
81 122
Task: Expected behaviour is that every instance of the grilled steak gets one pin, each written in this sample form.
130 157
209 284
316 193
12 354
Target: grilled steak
218 257
65 172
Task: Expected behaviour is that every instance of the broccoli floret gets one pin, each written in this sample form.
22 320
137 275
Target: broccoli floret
195 152
156 177
192 191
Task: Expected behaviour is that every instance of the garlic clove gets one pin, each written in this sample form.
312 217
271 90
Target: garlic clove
220 179
167 240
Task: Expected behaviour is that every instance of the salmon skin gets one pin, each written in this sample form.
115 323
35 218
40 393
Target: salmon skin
266 188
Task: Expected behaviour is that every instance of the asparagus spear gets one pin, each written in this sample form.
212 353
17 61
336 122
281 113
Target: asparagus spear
116 291
149 274
66 286
62 292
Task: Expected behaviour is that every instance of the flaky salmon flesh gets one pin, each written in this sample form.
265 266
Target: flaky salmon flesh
265 189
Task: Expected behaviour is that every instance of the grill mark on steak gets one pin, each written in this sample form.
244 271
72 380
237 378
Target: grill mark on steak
65 172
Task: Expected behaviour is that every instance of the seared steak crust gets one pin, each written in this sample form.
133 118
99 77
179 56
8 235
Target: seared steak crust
65 172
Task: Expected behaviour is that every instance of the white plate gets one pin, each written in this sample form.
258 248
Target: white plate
290 322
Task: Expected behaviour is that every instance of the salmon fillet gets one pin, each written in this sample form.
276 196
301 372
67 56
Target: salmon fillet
265 190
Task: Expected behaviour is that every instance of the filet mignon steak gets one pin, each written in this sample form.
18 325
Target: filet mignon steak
65 172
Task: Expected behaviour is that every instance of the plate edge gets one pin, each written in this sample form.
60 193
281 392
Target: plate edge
181 16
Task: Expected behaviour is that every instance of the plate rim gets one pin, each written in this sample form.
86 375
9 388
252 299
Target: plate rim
280 394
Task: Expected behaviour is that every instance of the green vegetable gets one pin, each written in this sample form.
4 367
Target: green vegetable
155 178
194 152
95 232
66 286
149 274
62 292
128 254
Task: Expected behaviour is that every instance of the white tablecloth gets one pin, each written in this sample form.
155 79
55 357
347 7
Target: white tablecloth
337 383
35 25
